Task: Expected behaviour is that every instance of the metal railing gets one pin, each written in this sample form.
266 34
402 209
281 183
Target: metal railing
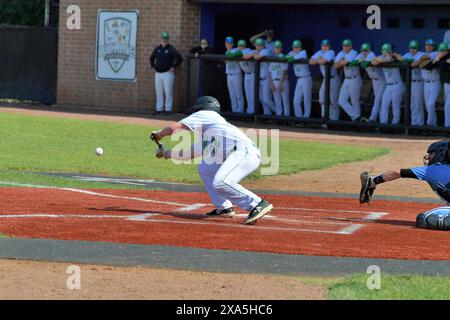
324 121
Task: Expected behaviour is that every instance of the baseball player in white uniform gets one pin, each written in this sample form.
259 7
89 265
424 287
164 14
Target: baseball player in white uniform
394 86
303 88
265 93
322 57
377 77
279 82
248 67
234 77
417 96
268 41
432 82
351 88
228 156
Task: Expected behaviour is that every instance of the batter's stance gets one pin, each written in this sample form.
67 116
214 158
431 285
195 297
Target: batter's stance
228 156
436 172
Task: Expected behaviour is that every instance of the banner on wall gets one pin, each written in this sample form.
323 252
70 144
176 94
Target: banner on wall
116 45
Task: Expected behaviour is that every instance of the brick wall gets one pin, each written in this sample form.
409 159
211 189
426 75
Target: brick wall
77 85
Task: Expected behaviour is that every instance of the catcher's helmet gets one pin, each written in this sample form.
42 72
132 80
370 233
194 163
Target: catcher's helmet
205 103
440 149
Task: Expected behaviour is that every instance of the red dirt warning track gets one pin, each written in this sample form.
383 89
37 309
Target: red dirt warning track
297 225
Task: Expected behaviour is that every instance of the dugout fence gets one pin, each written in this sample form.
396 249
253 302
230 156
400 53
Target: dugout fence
208 73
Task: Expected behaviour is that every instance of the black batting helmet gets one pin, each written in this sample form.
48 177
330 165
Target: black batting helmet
205 103
440 149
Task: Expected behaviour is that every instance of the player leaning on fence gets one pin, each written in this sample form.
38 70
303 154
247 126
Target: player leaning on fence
303 88
234 76
322 57
376 76
394 86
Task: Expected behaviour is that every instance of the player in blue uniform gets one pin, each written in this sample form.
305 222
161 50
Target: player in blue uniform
436 173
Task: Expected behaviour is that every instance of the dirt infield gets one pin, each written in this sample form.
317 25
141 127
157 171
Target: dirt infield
43 280
297 225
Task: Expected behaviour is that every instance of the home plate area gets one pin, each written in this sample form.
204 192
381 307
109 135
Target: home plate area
297 224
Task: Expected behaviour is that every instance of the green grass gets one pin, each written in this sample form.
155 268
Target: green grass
399 287
45 144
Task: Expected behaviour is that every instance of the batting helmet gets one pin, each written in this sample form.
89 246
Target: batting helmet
440 149
205 103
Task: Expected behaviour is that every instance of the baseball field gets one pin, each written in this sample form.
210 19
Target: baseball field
135 225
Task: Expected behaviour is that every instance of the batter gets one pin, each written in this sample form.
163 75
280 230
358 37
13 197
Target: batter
228 156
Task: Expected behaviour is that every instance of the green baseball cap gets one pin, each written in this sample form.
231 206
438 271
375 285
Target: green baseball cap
259 42
347 42
443 47
365 47
413 44
296 44
278 44
325 42
386 47
242 43
165 35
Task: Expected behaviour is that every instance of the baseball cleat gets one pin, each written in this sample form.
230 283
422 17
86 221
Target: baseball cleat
229 212
258 212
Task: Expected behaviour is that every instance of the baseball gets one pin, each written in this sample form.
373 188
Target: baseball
99 151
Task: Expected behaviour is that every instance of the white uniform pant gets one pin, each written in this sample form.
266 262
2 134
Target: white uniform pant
417 97
282 105
392 95
249 86
222 180
351 89
447 104
335 111
431 93
164 90
265 96
378 89
235 89
303 91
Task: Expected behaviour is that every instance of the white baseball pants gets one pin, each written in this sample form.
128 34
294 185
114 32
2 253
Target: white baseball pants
351 89
417 97
378 89
303 92
282 103
392 95
236 92
164 90
431 94
249 86
335 111
222 180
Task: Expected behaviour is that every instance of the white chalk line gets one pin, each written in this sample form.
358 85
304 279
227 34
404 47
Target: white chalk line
144 218
349 229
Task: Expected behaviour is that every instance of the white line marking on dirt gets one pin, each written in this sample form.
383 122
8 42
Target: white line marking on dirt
92 193
329 210
192 207
143 218
351 229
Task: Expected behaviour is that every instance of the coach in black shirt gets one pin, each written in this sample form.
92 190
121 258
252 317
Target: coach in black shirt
165 59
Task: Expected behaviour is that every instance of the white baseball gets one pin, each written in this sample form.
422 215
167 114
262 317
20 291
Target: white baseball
99 151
